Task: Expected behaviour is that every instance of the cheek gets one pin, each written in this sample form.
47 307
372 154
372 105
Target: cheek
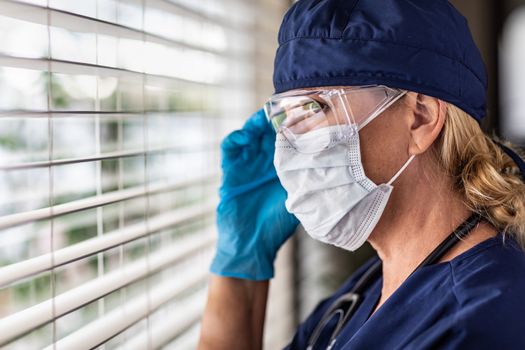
383 148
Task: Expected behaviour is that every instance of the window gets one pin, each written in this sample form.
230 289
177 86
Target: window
512 56
111 112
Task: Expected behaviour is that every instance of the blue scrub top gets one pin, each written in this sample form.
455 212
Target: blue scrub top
474 301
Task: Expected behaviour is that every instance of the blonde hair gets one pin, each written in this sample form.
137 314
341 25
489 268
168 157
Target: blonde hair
487 178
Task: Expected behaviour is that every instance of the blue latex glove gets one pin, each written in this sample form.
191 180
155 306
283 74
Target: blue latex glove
252 220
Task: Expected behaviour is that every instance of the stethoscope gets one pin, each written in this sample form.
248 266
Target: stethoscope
346 305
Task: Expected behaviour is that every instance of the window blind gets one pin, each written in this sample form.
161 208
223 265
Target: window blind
111 114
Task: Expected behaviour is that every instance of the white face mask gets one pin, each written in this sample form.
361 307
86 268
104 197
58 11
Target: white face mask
328 191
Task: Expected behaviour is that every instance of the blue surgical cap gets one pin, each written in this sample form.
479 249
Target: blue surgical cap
423 46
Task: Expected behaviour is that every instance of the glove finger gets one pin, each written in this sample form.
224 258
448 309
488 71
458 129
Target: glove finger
257 123
256 126
235 141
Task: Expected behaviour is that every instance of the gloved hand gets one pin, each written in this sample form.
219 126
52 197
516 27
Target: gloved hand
252 220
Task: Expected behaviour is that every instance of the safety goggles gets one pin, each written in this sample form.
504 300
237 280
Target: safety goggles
302 116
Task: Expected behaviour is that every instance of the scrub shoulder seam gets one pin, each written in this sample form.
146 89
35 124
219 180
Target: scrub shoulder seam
477 249
453 277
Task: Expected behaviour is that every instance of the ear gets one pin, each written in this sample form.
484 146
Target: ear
426 123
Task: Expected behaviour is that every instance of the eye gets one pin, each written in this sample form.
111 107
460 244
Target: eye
277 120
315 106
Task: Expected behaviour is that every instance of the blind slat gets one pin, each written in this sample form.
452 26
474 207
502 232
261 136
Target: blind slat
174 324
42 313
109 155
81 68
32 266
81 23
97 201
117 321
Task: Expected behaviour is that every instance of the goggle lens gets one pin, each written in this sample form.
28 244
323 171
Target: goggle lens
298 114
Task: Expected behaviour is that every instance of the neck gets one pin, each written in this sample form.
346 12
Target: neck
420 214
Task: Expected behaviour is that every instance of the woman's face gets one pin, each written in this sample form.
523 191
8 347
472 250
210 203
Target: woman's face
384 141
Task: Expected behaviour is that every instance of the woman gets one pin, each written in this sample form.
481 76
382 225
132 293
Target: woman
375 136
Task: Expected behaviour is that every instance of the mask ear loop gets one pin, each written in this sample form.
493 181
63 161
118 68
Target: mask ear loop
400 171
407 163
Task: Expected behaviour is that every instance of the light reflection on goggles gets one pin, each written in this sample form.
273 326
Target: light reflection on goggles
298 113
